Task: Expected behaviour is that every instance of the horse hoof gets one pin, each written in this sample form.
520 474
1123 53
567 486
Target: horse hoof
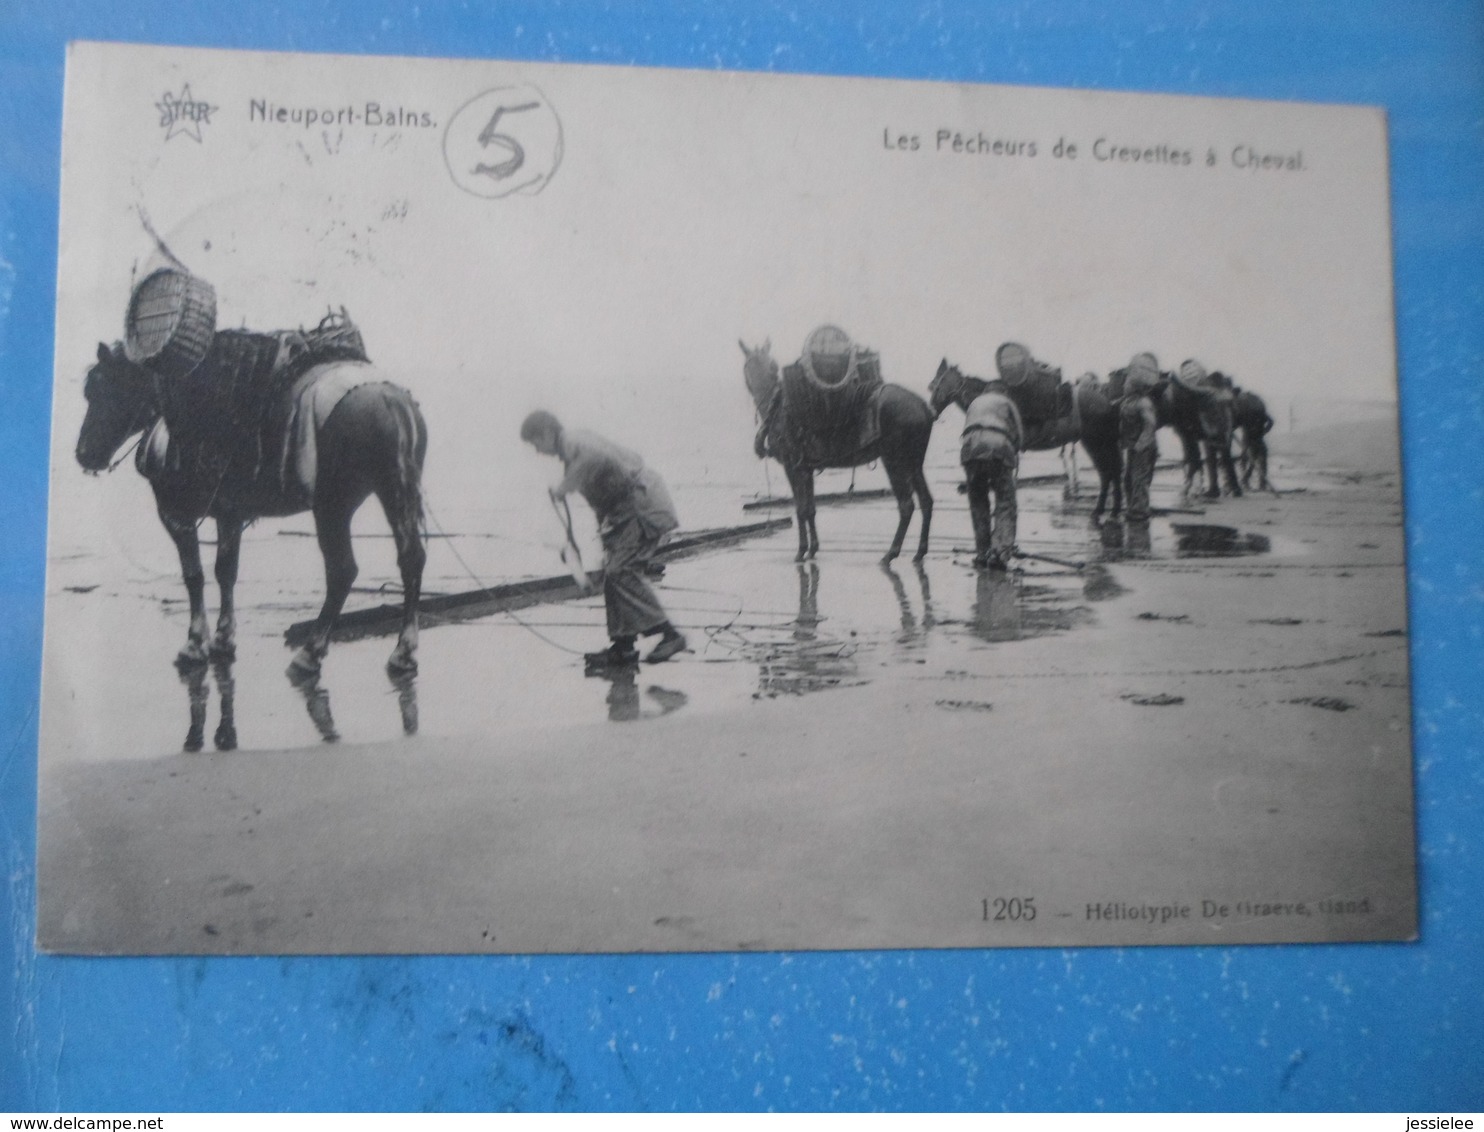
223 649
888 558
919 556
401 664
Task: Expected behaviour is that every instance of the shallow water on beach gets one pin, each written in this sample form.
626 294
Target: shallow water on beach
760 625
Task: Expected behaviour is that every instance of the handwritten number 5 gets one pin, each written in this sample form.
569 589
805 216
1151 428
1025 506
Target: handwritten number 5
489 136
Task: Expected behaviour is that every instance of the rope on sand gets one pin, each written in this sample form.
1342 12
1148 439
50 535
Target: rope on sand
479 583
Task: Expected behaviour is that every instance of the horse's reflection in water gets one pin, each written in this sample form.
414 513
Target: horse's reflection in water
1121 540
808 661
996 607
914 632
405 684
624 702
198 692
317 701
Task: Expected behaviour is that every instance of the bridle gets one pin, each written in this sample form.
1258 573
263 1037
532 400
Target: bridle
940 379
141 385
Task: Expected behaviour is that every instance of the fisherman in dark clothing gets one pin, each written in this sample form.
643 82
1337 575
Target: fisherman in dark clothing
1137 423
990 453
634 514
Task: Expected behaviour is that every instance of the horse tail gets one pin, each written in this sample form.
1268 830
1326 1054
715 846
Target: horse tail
412 447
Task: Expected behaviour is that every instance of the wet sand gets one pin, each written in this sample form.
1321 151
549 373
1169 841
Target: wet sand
850 758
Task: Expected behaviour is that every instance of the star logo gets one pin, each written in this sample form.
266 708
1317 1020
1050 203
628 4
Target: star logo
183 114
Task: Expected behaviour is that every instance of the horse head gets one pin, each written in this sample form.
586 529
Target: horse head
945 388
760 372
123 397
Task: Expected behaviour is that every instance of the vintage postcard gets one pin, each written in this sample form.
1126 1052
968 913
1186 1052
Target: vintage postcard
550 508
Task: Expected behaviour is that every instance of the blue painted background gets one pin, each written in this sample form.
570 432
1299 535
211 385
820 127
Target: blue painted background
1370 1027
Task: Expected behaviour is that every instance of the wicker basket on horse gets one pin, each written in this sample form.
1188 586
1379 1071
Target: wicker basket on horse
170 322
830 399
1037 388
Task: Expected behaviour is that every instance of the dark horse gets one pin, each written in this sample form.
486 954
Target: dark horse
905 426
1094 422
1203 422
1251 418
1202 419
373 441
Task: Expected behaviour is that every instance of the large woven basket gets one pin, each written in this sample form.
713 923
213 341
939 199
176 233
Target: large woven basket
828 356
171 322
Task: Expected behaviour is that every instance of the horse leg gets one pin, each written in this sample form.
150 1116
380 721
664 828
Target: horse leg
188 546
1069 469
401 504
228 550
1191 450
811 511
1208 457
1228 468
332 528
801 483
1109 466
925 502
901 487
1261 460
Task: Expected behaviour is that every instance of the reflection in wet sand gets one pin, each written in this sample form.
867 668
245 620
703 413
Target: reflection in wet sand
623 695
1137 543
1099 584
1207 540
1122 540
624 704
198 694
317 702
996 606
808 662
913 632
405 684
808 619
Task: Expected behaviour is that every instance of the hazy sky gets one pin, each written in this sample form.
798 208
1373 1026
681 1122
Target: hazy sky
690 209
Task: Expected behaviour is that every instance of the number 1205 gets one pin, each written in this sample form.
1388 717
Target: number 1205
1017 908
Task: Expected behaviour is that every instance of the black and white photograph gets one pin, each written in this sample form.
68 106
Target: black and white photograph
544 508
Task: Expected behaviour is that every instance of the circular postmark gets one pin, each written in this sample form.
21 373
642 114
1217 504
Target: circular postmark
504 140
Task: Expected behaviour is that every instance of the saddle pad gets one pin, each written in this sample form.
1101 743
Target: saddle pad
314 397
